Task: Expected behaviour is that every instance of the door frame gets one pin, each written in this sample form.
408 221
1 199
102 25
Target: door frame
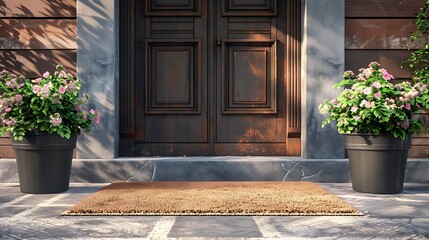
292 76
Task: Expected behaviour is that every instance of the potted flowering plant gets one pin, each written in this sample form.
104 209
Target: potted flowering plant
43 117
377 118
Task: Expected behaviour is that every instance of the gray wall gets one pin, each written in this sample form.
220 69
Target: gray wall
97 66
322 66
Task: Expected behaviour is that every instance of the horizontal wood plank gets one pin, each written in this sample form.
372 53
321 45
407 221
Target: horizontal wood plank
418 151
391 60
37 34
38 8
383 8
379 33
33 63
5 141
7 152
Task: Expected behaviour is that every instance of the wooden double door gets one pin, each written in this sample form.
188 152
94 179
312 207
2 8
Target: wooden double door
211 78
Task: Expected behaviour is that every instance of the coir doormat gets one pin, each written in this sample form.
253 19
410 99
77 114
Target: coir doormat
212 198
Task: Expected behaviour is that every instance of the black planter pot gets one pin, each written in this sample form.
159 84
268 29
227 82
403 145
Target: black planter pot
377 163
44 162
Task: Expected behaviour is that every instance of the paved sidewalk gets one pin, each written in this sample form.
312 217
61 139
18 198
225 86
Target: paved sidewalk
400 216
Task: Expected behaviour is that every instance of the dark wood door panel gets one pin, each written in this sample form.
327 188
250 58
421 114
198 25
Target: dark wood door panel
248 7
171 79
172 129
172 7
176 149
173 76
261 149
250 129
210 78
249 76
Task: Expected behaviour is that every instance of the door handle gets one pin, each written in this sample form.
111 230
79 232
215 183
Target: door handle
219 41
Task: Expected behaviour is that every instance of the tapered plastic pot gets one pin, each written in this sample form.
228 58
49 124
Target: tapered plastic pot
44 162
377 163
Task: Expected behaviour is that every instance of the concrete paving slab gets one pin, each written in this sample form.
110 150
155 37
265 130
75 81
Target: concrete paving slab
408 204
37 216
215 227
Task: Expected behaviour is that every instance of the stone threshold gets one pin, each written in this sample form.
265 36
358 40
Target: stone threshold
222 168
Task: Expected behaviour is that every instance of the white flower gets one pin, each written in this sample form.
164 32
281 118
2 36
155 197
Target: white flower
367 90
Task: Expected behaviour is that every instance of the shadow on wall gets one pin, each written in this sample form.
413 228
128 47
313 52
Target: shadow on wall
97 63
37 35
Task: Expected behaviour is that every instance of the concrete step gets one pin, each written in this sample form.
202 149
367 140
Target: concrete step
225 168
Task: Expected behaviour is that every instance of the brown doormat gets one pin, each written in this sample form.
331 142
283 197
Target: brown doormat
212 198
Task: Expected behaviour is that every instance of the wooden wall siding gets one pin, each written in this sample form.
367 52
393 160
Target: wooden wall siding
382 8
38 8
33 63
35 35
389 59
379 31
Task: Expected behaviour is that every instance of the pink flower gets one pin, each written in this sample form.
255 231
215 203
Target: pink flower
62 74
97 119
56 119
62 89
8 109
37 80
405 124
92 111
372 64
367 72
46 75
377 95
36 88
367 104
9 122
18 98
402 99
399 87
72 86
9 84
348 74
354 109
386 75
361 77
408 106
376 85
356 117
